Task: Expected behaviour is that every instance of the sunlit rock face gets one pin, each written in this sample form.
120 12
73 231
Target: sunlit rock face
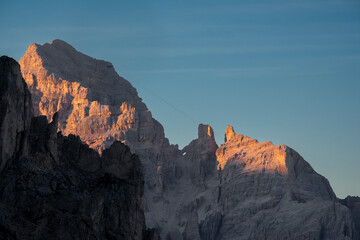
247 189
101 107
56 187
242 150
271 192
243 189
92 100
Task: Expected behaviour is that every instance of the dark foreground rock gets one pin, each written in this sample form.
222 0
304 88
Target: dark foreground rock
56 187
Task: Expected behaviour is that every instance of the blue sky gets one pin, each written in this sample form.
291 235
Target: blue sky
285 71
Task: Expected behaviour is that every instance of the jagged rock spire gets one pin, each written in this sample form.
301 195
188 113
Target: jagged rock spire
229 133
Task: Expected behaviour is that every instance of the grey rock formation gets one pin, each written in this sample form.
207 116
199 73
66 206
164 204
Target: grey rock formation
56 187
353 203
201 155
191 231
241 190
271 192
256 191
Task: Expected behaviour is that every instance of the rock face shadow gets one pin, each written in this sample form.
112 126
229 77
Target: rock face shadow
56 187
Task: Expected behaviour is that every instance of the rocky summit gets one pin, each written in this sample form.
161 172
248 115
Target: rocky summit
242 189
56 187
92 100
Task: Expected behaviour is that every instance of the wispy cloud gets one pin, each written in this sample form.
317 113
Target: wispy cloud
255 71
164 51
119 30
267 7
207 70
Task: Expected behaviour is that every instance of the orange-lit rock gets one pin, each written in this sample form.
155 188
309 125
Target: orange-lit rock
93 101
250 154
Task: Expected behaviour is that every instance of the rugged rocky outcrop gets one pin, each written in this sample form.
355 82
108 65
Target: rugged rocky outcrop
101 107
243 189
201 155
353 203
271 192
15 109
56 187
92 100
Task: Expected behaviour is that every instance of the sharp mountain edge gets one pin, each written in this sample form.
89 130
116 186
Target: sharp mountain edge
241 190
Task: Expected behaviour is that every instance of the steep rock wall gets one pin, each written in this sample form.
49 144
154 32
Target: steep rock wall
56 187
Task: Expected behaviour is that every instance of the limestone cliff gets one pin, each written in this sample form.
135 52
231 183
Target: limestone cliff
56 187
101 107
201 154
92 100
15 109
353 203
273 193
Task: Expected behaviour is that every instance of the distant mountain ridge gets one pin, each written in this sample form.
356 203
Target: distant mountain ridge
242 189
